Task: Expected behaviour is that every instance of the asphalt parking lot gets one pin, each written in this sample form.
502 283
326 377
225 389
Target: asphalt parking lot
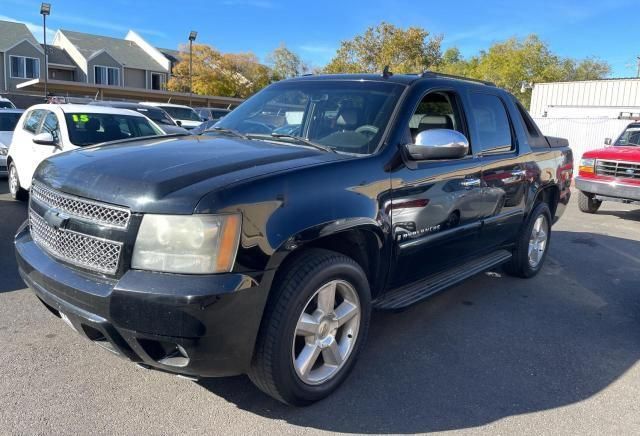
557 354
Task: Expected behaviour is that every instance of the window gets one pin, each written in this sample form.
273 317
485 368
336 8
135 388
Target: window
94 128
32 122
344 115
181 113
437 110
157 81
24 67
50 125
106 75
491 122
8 121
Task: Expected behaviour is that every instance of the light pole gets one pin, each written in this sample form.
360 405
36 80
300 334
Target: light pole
45 9
192 37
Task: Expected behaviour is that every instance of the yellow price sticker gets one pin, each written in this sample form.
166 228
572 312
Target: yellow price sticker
82 118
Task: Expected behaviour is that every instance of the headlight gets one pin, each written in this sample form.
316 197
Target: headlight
189 244
3 151
586 165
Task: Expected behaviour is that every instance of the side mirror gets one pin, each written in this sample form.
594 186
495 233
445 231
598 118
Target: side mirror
438 144
179 123
607 141
44 138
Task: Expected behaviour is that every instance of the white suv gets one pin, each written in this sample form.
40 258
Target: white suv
48 129
184 116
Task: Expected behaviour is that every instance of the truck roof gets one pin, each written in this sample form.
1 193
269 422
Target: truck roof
404 79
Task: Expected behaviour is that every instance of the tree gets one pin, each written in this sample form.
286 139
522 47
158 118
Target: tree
515 61
408 50
285 64
215 73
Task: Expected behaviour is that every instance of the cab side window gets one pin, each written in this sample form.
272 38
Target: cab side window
50 125
492 123
32 121
437 110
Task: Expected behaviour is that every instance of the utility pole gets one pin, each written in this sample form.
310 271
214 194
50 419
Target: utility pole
45 9
192 37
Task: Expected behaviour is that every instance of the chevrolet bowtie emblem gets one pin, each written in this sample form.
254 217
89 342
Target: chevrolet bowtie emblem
56 219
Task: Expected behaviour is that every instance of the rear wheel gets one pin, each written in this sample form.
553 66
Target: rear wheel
314 328
532 245
16 191
587 203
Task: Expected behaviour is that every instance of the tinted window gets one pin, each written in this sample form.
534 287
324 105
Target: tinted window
630 137
8 121
491 122
50 125
182 113
32 121
157 115
6 104
348 116
437 110
90 128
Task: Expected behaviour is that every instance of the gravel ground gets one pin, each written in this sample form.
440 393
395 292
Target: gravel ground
556 354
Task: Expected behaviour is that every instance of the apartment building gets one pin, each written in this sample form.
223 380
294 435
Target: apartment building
87 65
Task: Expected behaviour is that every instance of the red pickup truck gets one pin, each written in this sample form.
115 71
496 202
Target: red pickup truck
611 173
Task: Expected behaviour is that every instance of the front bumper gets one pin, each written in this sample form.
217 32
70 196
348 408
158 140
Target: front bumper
200 326
612 189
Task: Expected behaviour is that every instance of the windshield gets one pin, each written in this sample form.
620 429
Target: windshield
88 129
157 115
348 116
181 113
8 121
630 137
5 104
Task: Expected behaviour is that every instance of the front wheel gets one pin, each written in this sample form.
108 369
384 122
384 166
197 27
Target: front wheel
16 191
532 245
314 327
587 203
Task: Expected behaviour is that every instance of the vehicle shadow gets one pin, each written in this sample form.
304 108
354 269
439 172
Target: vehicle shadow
490 348
13 215
622 214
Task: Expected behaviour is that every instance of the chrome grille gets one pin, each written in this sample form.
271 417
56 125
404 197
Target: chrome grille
86 251
87 210
614 168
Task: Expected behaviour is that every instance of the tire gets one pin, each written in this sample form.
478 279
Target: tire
281 341
16 191
522 262
588 204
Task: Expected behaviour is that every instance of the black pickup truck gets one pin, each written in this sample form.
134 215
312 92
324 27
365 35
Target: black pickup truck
262 246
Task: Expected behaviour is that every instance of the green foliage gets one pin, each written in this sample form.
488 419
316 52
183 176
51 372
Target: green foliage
285 63
513 62
405 51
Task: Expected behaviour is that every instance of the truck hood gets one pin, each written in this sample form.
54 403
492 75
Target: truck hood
631 154
169 175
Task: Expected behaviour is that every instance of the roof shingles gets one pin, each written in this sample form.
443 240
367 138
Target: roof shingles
127 53
12 33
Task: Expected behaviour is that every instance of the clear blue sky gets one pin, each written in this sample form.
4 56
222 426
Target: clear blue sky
314 29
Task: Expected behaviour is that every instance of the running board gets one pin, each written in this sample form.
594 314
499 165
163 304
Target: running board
415 292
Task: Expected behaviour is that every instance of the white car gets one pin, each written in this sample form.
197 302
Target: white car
5 103
8 120
48 129
184 116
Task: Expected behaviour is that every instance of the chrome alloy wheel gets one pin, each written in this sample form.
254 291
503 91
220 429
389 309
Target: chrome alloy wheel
13 180
538 240
326 332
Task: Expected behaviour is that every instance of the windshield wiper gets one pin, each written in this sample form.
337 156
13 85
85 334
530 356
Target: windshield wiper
303 141
225 130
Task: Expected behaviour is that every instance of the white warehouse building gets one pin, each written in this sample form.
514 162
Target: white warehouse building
586 113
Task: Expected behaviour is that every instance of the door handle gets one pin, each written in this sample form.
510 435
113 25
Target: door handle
470 183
